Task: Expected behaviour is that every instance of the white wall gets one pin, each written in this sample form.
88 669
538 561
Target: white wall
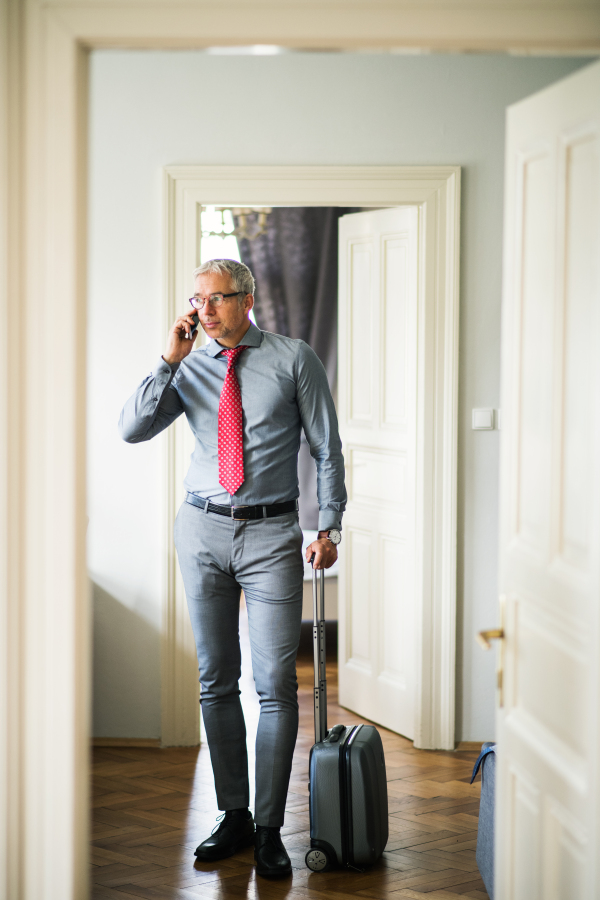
150 109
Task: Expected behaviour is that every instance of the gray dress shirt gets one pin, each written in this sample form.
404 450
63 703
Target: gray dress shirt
284 390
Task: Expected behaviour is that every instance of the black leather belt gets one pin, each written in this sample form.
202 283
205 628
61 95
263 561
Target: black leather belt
243 512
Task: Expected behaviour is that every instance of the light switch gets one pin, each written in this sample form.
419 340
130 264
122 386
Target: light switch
482 419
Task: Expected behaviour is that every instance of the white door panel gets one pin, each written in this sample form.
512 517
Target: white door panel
548 791
377 405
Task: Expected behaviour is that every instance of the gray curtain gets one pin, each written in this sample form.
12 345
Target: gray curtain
295 264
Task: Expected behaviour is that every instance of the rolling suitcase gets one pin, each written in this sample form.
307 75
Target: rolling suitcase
348 790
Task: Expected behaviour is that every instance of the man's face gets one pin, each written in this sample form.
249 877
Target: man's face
231 316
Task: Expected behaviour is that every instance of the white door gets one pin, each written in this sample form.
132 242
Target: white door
377 409
547 787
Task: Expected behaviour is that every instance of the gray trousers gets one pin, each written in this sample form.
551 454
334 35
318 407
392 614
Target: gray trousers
217 557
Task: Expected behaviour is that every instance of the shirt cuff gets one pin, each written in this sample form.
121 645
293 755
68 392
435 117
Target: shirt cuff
163 368
328 519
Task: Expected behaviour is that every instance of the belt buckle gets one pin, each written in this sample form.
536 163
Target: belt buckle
233 508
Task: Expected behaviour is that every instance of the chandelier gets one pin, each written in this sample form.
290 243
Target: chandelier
221 221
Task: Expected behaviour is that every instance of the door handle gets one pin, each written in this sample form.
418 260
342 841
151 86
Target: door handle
483 638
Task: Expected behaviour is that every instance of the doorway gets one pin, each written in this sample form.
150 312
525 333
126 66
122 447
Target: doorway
434 193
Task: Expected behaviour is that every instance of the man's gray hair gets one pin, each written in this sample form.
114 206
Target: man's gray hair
241 277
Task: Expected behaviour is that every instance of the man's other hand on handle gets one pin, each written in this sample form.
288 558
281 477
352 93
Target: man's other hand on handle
325 552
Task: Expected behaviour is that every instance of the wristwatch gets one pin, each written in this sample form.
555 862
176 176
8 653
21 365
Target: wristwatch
334 536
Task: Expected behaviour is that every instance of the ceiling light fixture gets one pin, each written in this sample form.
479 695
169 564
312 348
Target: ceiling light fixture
248 228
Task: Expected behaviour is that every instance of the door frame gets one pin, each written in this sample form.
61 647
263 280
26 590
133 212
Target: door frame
435 190
45 673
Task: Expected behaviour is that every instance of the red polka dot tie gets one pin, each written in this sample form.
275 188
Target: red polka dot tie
231 455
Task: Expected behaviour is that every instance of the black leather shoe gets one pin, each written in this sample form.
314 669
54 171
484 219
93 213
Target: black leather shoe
270 854
235 832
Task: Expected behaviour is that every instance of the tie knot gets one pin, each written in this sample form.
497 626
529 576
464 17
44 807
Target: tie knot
233 354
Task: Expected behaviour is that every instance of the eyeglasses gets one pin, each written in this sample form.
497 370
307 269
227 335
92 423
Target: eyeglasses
215 300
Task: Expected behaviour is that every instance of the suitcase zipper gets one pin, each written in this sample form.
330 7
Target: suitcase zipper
346 798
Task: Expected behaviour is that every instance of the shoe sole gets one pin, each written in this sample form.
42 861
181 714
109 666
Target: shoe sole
246 842
273 873
270 873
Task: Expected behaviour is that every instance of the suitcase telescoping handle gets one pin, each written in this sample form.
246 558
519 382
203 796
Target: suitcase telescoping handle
319 655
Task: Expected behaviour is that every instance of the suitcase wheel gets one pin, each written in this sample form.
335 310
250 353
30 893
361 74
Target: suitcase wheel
316 860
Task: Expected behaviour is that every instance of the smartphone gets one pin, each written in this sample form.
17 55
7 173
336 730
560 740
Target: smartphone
190 335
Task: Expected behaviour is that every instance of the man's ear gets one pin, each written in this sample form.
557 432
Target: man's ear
248 302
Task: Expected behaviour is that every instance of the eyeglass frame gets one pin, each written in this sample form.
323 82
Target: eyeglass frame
193 300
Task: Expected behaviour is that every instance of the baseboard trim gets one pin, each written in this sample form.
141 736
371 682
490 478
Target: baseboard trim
125 742
470 745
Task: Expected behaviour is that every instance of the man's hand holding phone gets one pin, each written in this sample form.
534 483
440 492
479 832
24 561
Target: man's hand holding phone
182 336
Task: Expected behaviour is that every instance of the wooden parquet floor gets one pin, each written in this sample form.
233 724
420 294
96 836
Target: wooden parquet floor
152 807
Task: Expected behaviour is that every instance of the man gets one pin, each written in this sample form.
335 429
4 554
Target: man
247 395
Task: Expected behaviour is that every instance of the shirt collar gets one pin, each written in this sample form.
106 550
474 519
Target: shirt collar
252 338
